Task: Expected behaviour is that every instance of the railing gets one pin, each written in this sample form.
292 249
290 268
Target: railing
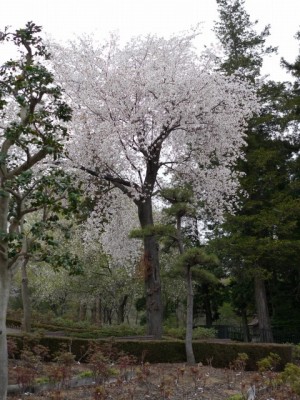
236 333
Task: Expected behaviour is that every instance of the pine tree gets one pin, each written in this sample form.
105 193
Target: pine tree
257 227
193 261
243 47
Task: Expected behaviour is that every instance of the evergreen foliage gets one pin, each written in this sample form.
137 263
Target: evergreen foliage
261 242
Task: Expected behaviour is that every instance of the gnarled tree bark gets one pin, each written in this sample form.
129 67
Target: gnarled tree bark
265 329
151 271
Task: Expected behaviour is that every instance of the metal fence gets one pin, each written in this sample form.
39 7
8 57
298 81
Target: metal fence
280 335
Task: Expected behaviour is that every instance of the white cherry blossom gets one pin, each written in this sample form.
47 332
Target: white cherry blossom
155 98
145 113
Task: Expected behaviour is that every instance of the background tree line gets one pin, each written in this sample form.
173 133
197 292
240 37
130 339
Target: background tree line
189 254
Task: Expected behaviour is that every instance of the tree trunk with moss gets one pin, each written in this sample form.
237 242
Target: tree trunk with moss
151 271
265 329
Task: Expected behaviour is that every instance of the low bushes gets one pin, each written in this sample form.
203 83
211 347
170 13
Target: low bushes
82 329
198 333
219 355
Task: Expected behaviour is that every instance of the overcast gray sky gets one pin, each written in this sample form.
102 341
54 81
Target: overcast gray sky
63 19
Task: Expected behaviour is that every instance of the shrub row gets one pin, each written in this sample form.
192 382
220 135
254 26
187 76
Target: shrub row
220 355
198 333
90 332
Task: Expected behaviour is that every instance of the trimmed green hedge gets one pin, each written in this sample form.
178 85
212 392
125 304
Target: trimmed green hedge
167 351
90 332
223 354
198 333
220 354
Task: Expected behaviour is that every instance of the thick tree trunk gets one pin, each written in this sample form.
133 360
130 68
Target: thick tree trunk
245 326
266 335
82 311
107 315
208 314
98 311
207 306
190 358
151 272
5 278
121 310
25 298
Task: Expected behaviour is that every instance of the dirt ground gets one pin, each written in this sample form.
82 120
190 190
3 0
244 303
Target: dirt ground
142 382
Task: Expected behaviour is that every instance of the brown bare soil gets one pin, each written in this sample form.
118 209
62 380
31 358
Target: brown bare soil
142 382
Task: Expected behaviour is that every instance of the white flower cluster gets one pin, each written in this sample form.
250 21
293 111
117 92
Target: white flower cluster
155 109
114 234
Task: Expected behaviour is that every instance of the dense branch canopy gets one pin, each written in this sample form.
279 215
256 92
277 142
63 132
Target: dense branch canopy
153 109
